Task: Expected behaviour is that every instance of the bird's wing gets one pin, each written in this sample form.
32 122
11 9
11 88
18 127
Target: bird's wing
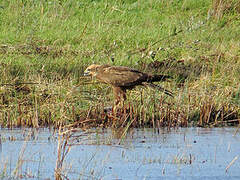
121 76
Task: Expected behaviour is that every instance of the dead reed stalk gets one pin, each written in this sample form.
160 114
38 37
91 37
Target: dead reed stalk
62 150
231 163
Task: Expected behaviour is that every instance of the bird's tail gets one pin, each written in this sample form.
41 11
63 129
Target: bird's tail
156 78
154 86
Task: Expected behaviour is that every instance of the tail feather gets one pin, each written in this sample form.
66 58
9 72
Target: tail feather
169 93
156 78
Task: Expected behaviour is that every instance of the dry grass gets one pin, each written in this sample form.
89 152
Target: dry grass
68 136
221 7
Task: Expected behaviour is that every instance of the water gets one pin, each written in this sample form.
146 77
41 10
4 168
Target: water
186 153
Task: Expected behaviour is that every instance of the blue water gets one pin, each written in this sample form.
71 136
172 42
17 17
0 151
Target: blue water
186 153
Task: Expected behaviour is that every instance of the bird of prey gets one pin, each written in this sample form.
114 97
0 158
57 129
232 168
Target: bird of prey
122 78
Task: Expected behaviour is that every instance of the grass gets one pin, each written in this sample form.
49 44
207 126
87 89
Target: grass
46 45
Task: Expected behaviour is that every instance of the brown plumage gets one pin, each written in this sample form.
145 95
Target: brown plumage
124 78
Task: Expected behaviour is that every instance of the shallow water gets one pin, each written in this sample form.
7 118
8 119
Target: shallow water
186 153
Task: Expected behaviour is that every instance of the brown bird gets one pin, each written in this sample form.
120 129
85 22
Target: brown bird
124 78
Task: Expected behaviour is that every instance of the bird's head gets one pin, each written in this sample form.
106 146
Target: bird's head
91 70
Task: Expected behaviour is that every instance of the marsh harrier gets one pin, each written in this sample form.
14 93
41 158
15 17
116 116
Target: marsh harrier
124 78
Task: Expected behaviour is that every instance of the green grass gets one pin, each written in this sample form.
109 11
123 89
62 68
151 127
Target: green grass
50 43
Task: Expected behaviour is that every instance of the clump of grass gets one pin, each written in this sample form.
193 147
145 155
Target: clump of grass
68 136
220 7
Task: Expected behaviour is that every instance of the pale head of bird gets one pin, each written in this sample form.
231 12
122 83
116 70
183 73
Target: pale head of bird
91 70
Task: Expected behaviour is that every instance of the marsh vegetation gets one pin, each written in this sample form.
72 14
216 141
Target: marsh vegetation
46 45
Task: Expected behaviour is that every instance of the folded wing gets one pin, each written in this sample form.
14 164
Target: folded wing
121 76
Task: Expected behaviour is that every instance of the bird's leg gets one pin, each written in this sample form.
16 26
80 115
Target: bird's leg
120 95
124 97
116 95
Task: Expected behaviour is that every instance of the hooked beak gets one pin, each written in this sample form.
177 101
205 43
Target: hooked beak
86 73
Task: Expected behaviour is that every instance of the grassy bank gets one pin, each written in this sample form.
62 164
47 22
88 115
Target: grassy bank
46 45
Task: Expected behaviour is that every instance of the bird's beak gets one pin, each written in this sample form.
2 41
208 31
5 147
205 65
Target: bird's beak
86 73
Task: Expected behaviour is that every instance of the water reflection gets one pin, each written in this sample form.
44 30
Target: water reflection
142 153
